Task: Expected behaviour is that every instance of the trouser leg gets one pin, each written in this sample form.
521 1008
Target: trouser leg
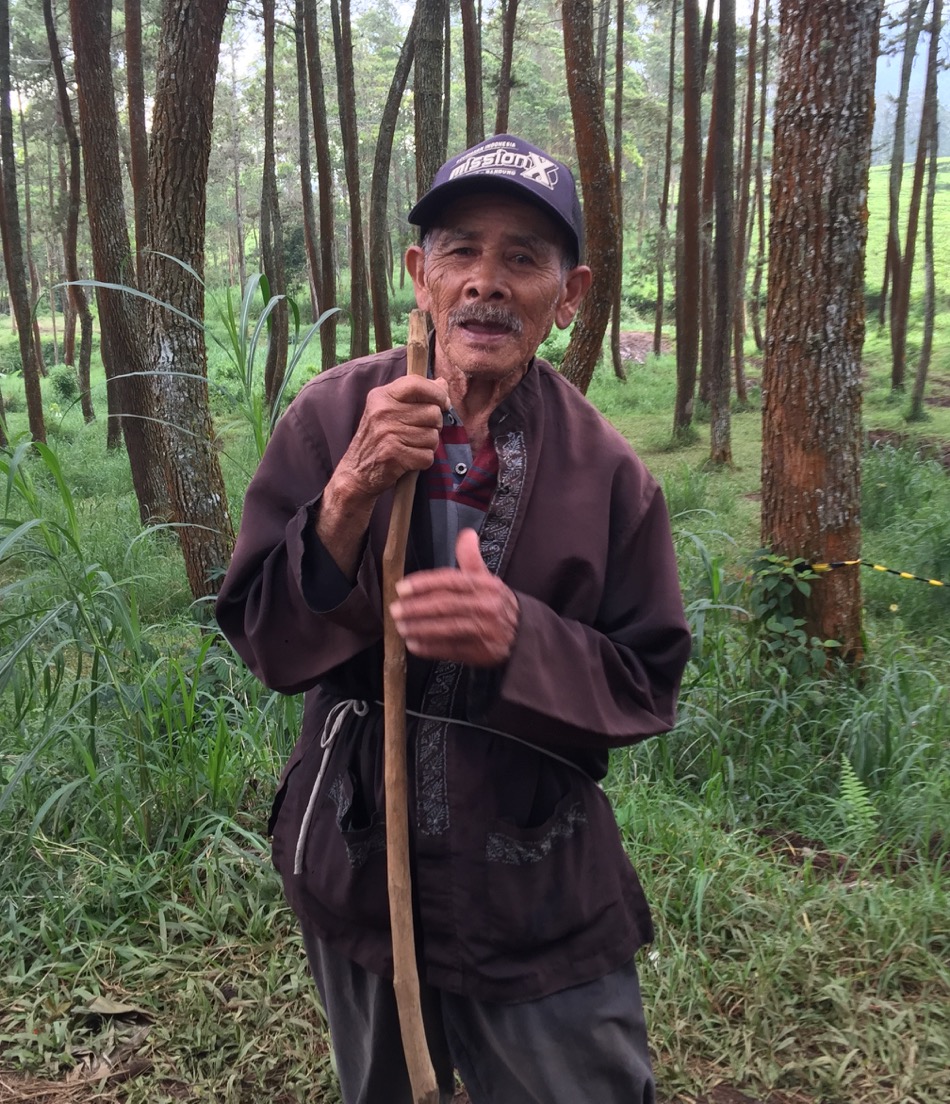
364 1029
584 1045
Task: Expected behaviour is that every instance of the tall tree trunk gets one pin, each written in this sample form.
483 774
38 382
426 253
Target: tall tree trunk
446 82
725 246
349 133
707 215
121 316
756 291
603 28
689 252
236 175
914 22
306 188
663 233
597 183
931 136
427 90
13 239
618 187
76 294
742 219
178 173
28 243
69 325
811 457
472 58
904 270
508 22
138 135
272 228
380 258
321 134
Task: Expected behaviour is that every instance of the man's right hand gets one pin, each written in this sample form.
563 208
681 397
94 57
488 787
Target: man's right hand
398 432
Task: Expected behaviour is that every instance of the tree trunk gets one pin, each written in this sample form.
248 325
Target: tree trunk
508 23
618 188
756 291
689 253
742 219
138 135
178 173
34 296
427 91
121 316
236 175
597 183
663 233
321 134
725 246
472 58
904 270
706 296
13 239
349 133
914 21
76 294
811 458
929 134
306 188
272 228
380 262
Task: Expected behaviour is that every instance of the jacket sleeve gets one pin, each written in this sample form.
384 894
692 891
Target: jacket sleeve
284 605
610 682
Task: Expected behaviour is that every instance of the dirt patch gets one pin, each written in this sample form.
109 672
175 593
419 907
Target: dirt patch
929 447
637 345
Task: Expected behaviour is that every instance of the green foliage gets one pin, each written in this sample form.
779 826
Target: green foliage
64 382
860 816
774 586
243 336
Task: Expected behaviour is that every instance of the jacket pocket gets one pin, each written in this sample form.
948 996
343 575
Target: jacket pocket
546 883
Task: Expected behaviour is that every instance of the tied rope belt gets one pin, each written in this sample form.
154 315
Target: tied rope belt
338 716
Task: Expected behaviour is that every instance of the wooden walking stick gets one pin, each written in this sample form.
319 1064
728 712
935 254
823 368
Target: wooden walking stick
425 1090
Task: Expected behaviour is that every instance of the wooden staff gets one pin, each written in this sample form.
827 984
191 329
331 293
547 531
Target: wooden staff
425 1089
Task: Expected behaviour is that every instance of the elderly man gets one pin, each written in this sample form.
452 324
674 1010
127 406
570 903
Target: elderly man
544 625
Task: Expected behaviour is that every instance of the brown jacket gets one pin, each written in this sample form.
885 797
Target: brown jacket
521 882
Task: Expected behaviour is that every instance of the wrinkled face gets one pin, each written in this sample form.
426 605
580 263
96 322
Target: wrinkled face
492 278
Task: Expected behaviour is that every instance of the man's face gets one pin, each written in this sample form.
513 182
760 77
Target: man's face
493 280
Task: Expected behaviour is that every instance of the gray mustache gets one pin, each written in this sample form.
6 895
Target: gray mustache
485 312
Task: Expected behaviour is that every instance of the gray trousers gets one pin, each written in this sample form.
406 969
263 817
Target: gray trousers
584 1044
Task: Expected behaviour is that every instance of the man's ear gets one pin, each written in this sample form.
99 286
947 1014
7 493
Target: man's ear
416 266
576 286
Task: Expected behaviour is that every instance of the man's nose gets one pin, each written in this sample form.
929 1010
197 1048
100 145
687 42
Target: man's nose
486 279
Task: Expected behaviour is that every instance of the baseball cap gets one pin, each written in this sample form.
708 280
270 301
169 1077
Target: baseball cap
506 163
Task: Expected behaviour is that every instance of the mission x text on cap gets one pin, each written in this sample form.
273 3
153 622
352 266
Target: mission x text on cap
506 163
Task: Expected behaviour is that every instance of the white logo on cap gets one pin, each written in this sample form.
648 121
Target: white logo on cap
506 162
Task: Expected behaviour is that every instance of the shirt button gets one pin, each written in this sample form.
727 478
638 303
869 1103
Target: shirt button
461 469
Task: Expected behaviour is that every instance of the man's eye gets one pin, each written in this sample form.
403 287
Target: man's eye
523 259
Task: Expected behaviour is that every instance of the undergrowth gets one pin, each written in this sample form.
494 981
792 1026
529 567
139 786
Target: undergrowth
792 833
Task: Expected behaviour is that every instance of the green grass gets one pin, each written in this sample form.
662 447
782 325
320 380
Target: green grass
793 832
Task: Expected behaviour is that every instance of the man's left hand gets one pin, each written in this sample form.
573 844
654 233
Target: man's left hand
463 615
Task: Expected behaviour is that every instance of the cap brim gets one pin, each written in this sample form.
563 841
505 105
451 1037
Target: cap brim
426 212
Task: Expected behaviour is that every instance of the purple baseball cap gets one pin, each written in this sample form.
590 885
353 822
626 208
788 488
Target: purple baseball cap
506 163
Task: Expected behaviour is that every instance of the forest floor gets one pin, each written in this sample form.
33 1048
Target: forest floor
22 1089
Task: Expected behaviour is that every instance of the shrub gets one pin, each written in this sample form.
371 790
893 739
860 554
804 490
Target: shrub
64 382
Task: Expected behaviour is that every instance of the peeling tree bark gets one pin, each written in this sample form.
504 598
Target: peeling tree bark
811 456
